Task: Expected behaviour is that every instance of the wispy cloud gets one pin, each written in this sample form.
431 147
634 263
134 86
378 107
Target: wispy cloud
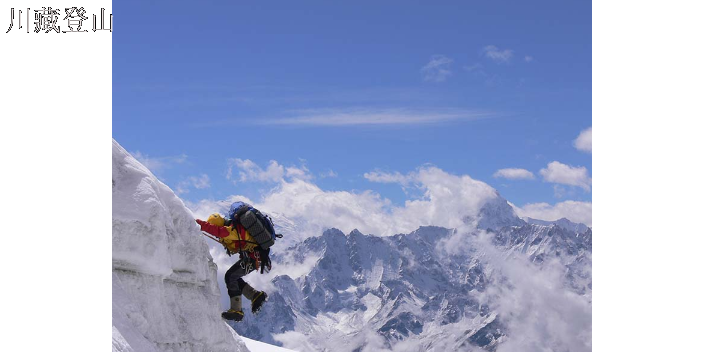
475 68
385 177
198 182
528 58
584 141
158 164
328 174
249 171
438 69
559 191
498 55
376 117
557 172
299 172
514 174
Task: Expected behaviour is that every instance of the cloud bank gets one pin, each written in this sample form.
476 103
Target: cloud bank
434 197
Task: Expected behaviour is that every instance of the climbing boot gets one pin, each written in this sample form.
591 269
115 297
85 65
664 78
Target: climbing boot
257 297
235 312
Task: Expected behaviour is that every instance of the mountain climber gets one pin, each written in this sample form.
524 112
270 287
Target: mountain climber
249 233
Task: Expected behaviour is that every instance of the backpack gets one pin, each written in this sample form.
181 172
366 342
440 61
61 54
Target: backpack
259 226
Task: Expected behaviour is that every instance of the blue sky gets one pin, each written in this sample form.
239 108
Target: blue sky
470 87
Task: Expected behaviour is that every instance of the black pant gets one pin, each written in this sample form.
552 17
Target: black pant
233 276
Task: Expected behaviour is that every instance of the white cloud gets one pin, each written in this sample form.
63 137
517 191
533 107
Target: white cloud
438 69
301 172
539 313
575 211
443 199
295 341
514 174
559 191
385 177
557 172
494 81
477 67
477 70
328 174
584 141
250 171
199 182
320 209
500 56
528 58
446 200
375 117
292 268
158 164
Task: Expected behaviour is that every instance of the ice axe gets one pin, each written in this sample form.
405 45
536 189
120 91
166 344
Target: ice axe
211 237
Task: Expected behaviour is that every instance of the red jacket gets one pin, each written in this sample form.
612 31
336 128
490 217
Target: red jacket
217 231
222 232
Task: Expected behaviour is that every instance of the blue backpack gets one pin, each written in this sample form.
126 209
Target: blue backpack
259 226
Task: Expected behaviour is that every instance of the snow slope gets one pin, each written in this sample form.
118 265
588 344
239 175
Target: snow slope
256 346
165 293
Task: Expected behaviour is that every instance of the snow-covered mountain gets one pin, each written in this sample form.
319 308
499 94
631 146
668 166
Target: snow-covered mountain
497 213
164 288
433 289
497 284
563 223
